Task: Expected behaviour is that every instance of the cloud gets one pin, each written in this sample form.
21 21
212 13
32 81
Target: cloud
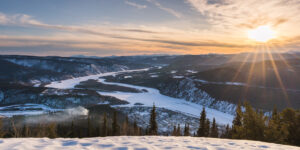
28 21
138 6
230 16
169 10
3 19
239 15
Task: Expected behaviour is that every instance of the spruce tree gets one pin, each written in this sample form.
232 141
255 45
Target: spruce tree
135 128
260 126
104 125
125 127
214 129
72 130
178 132
202 125
152 122
52 132
90 127
16 132
186 130
115 125
237 127
207 128
227 133
174 131
1 130
25 131
248 122
291 122
253 123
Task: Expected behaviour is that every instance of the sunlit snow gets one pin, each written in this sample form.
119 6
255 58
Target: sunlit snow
138 143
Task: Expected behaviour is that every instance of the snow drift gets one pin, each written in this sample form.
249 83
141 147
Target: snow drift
138 143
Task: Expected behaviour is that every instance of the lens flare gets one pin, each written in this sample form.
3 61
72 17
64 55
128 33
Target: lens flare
262 34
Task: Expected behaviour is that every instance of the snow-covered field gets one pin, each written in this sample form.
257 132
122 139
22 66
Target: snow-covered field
148 98
138 143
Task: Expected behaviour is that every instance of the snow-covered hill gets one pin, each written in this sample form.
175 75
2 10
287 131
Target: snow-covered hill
138 143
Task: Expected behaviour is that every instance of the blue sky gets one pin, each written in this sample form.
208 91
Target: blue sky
135 27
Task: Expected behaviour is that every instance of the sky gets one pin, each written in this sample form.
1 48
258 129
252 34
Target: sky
145 27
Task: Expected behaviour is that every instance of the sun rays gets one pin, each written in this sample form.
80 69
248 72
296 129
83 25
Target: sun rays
262 64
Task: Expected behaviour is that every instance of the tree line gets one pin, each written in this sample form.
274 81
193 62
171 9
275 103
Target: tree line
91 126
280 127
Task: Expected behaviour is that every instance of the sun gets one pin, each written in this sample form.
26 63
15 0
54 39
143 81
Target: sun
262 34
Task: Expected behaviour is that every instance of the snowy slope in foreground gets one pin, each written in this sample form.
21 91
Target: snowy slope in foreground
138 143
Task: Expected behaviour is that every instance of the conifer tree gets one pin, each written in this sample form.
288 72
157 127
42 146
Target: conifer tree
253 123
140 131
90 127
227 133
174 131
214 129
237 127
72 129
125 127
135 128
1 130
16 132
52 131
152 122
186 130
178 132
207 128
273 132
115 125
202 125
104 125
248 122
260 125
25 131
291 122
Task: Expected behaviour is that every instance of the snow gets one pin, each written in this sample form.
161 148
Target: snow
174 104
77 111
154 76
126 77
191 71
178 77
173 71
138 143
36 83
70 83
